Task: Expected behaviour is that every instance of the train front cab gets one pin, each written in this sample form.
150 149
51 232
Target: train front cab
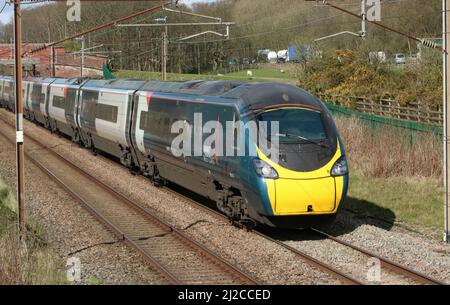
308 184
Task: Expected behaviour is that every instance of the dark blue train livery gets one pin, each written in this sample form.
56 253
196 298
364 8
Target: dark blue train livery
133 121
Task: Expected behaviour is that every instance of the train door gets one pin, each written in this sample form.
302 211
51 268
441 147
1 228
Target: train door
71 101
35 102
75 95
6 92
12 94
25 85
1 91
234 142
131 129
89 99
77 108
42 100
46 90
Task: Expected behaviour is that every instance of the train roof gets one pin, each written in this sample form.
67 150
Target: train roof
195 87
122 84
252 95
261 95
67 81
47 80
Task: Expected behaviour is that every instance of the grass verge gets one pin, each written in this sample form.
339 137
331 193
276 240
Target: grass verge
393 176
260 75
410 200
263 73
35 264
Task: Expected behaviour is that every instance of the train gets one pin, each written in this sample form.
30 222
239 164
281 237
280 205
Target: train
300 182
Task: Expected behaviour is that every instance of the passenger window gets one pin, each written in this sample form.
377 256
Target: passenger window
59 102
42 99
107 113
143 122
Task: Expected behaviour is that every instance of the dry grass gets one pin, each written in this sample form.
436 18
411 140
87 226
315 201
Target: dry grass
392 175
390 152
33 263
30 265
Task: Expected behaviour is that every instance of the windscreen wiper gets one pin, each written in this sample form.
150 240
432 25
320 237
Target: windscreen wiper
304 139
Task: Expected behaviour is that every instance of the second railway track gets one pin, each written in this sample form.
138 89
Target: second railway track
403 271
324 267
386 263
174 254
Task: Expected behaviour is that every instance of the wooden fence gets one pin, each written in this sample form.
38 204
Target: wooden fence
413 112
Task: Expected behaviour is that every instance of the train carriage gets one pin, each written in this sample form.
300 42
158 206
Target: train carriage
298 190
8 100
104 115
309 181
62 106
2 80
39 93
141 123
158 106
27 86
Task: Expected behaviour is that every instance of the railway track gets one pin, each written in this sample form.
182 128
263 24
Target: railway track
324 267
403 271
388 264
333 272
174 254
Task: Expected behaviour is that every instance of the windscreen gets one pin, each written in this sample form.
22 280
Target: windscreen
295 124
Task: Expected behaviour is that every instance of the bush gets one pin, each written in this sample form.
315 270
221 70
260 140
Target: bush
349 73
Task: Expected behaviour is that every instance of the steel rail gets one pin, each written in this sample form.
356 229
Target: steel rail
188 241
397 268
97 215
307 258
388 264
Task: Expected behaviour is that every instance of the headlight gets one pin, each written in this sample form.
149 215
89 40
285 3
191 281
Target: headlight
264 169
340 168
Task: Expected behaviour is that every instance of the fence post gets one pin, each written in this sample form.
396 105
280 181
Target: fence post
411 140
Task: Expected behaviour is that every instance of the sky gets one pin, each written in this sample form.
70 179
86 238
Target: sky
7 13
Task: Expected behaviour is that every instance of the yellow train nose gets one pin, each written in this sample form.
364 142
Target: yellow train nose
302 196
303 193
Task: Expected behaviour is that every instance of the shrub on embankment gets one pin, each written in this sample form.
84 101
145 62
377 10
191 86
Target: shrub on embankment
34 264
349 73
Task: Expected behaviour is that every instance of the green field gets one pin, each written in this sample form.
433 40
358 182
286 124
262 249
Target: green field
259 75
264 74
413 201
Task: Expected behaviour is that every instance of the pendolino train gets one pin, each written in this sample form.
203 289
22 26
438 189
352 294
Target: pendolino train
132 119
